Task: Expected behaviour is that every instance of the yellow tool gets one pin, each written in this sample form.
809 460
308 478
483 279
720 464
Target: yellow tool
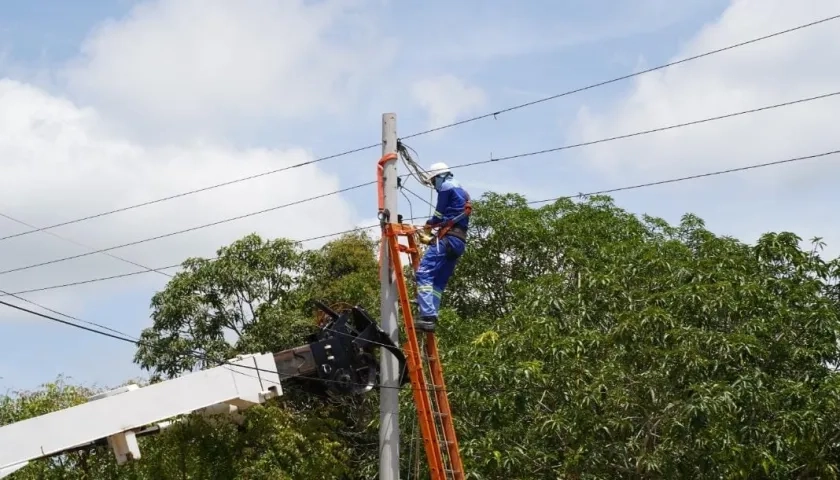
424 235
425 238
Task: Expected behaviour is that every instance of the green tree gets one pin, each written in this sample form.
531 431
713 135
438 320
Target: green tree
213 309
271 442
344 271
613 346
255 297
578 341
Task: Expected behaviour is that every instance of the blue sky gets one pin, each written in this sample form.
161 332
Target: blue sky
110 103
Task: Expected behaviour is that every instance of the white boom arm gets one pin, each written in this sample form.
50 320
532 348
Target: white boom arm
119 414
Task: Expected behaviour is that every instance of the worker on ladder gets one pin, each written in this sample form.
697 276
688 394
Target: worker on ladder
451 217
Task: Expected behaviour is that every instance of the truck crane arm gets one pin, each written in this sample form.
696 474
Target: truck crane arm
337 360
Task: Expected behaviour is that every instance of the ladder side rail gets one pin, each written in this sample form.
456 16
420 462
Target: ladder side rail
450 436
420 390
446 420
438 427
435 407
413 250
441 428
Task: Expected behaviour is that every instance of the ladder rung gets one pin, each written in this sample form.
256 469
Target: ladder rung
441 414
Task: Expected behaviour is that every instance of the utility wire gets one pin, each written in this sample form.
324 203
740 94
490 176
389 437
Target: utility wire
70 324
623 77
191 192
94 324
425 132
92 280
122 337
177 265
690 177
580 195
195 354
599 192
118 335
186 230
647 132
428 202
145 268
126 339
510 157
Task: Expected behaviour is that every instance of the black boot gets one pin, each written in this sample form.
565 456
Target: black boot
426 324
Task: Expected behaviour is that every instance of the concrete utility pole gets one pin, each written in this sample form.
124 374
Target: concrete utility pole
389 429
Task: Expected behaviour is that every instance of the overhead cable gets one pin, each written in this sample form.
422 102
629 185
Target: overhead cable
623 77
177 265
435 129
93 324
192 353
191 192
645 132
70 240
580 195
690 177
471 164
186 230
123 337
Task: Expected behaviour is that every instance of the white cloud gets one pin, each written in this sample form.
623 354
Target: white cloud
501 30
61 162
793 197
446 97
192 65
793 66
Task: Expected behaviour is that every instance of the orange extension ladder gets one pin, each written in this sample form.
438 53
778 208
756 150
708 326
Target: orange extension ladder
434 414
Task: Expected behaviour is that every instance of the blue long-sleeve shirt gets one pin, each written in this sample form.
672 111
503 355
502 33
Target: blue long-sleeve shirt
451 200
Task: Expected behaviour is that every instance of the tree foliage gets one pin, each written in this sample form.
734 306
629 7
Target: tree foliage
632 348
270 443
579 341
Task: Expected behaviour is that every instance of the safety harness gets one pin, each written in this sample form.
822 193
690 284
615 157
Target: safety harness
450 229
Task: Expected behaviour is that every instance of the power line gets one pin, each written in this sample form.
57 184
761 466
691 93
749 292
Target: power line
690 177
580 195
145 268
647 132
192 353
92 280
122 337
65 322
32 302
425 132
191 192
471 164
186 230
168 267
207 359
623 77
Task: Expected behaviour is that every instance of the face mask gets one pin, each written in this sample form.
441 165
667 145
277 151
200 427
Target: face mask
439 182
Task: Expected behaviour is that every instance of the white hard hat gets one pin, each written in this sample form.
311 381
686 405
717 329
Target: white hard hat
437 169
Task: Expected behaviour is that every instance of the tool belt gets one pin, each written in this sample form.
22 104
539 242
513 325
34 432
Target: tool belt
456 232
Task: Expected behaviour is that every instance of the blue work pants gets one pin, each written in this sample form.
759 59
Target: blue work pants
436 267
